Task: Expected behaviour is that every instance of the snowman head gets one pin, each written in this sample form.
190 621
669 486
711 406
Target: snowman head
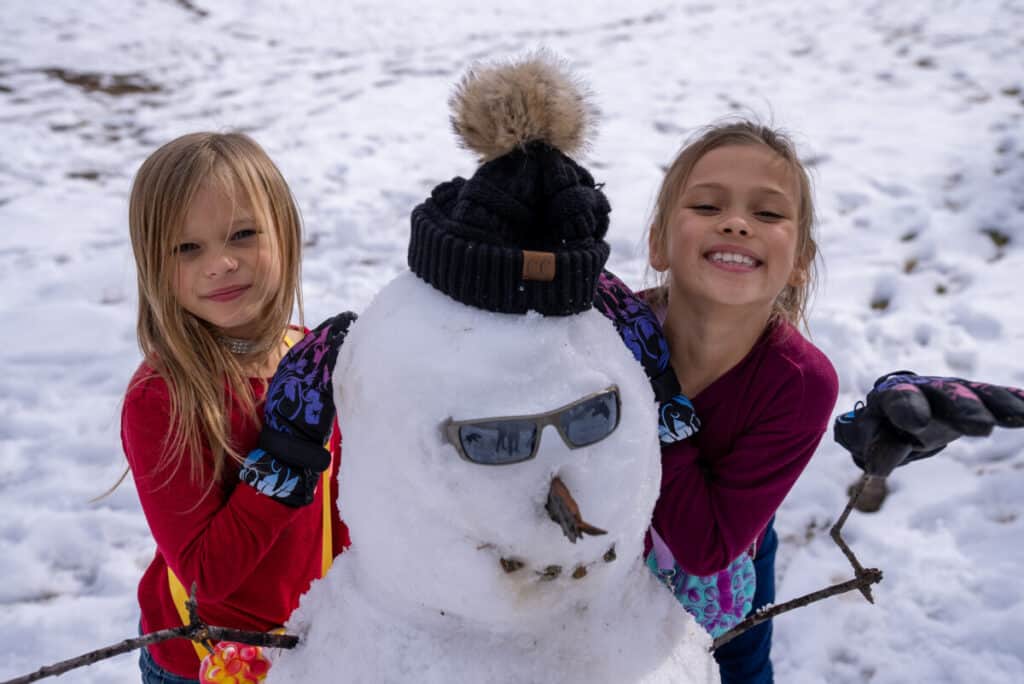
457 461
500 443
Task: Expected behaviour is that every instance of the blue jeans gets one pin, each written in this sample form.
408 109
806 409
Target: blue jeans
746 659
154 674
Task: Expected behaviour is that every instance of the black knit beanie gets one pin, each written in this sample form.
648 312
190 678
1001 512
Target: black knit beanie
526 231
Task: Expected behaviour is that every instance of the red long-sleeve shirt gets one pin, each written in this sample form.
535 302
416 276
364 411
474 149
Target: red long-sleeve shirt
250 556
760 424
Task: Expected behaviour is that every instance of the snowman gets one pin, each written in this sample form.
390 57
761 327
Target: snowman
501 457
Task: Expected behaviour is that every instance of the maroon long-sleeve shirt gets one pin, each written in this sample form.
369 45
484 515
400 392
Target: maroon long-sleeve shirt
760 424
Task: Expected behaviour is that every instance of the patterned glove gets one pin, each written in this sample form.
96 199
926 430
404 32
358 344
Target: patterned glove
299 413
908 417
639 328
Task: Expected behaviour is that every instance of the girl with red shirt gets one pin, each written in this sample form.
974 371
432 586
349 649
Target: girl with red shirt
216 238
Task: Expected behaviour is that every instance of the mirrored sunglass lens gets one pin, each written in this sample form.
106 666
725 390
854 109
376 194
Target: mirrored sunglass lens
498 442
591 421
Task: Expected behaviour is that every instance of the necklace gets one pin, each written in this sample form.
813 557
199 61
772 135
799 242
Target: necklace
239 346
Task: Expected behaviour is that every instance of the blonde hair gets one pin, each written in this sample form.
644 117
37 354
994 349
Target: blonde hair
791 304
182 348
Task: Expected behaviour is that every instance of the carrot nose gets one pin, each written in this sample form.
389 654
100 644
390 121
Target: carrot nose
564 510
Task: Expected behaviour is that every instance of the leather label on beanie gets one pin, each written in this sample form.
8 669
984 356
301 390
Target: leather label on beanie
538 266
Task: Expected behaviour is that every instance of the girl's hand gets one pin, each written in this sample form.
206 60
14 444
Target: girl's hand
299 413
299 409
908 417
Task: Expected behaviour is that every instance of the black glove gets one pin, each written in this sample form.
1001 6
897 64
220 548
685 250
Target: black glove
299 413
908 417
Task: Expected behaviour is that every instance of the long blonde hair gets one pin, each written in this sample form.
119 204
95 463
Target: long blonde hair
182 348
791 304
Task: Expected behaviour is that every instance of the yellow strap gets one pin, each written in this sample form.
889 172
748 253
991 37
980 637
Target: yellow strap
178 594
327 549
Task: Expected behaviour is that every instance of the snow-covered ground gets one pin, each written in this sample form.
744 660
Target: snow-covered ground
911 114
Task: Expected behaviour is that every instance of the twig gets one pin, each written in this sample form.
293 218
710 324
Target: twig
838 539
862 580
866 578
193 619
196 630
101 654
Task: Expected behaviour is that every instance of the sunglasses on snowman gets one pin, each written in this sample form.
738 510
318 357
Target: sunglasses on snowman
514 439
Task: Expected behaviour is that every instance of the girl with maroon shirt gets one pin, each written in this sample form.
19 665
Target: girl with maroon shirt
216 239
733 237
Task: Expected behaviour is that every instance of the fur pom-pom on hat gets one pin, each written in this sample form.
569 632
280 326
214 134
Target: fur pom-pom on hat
499 107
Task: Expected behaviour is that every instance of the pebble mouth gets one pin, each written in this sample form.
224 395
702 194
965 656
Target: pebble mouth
549 573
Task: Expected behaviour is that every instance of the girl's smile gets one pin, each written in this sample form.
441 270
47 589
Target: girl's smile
732 258
227 294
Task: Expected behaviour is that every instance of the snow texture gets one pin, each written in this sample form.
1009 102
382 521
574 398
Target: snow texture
422 595
910 115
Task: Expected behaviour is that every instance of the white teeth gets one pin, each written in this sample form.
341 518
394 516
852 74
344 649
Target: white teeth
732 258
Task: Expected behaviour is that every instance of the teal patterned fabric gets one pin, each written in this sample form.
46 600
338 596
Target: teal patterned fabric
718 602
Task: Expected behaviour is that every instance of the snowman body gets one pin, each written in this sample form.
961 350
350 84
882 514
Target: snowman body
457 572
